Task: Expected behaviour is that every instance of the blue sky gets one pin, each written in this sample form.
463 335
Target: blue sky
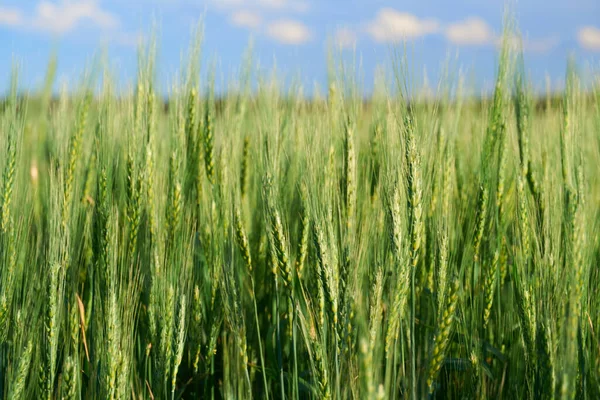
294 35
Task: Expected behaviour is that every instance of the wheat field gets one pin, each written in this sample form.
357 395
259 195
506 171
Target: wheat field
263 244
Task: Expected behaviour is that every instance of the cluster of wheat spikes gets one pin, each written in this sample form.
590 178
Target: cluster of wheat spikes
261 245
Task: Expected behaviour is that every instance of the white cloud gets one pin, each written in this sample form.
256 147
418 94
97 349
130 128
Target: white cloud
65 16
539 46
297 6
543 45
60 17
472 31
10 17
272 3
589 38
345 38
292 5
229 3
289 31
393 26
246 19
126 39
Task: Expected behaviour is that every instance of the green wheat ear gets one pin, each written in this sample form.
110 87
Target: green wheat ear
209 156
4 318
280 243
9 177
490 285
480 221
302 247
22 372
442 337
399 300
415 191
349 176
179 343
244 168
242 239
196 328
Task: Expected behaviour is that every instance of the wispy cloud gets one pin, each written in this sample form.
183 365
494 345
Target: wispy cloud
273 3
543 45
539 46
472 31
289 5
245 19
125 39
393 26
61 17
295 6
65 16
345 38
259 16
589 38
288 31
10 16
